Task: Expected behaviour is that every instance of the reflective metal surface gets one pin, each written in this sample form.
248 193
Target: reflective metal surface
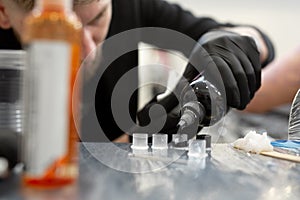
226 174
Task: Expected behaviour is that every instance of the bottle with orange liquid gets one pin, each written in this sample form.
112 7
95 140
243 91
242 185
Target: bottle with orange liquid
52 38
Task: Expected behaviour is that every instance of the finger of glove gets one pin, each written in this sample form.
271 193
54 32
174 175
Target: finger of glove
230 84
239 75
248 46
190 72
197 63
248 69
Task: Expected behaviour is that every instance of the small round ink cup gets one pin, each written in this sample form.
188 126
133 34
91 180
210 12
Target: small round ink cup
140 141
180 140
197 148
159 141
207 138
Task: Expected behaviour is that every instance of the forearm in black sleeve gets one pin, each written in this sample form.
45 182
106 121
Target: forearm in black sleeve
159 13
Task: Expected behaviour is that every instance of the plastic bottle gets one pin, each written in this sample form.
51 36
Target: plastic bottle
52 38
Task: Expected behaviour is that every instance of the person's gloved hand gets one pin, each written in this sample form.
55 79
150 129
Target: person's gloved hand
236 66
238 61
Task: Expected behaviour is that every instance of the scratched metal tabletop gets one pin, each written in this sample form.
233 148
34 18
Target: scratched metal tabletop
113 171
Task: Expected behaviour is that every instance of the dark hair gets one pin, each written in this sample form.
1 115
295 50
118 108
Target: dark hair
28 4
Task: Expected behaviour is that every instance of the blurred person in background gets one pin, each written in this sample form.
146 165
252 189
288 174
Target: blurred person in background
240 51
280 83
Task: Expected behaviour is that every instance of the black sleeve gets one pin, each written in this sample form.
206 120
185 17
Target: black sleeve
159 13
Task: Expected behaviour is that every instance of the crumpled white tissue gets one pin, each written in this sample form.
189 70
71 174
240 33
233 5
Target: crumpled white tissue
254 143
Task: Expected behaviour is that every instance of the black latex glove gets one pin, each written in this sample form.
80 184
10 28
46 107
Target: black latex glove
170 103
238 61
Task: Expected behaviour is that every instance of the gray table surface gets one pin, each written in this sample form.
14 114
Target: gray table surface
109 171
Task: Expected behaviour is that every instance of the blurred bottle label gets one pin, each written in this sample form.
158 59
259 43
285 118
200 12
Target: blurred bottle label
48 98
